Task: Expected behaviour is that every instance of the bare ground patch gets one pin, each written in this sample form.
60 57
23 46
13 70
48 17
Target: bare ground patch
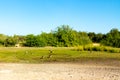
58 71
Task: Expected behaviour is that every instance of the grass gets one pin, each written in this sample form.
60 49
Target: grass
41 55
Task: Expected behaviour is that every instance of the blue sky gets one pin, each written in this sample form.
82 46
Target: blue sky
24 17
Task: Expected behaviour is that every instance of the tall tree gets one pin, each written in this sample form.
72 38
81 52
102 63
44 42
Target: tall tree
2 39
10 41
68 37
30 40
112 38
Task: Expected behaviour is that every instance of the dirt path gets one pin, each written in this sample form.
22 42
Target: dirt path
58 72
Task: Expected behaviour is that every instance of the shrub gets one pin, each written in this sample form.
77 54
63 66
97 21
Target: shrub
112 50
95 48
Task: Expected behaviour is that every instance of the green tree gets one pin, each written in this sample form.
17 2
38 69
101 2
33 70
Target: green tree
9 41
66 37
2 39
96 38
92 36
51 39
112 38
42 40
83 38
30 40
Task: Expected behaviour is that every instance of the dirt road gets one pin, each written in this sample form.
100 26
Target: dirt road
58 71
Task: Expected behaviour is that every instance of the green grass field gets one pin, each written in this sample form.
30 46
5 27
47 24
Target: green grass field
41 55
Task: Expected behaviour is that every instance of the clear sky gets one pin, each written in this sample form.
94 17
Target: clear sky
24 17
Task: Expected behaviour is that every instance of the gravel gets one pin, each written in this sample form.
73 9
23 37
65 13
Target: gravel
58 71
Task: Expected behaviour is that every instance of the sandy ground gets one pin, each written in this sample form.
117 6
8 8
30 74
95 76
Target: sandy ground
58 71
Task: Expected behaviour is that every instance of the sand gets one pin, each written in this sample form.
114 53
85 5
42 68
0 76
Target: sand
58 71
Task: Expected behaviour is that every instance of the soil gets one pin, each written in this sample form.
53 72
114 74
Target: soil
58 71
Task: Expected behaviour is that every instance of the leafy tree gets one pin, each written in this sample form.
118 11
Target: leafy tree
112 38
30 40
22 40
96 38
9 41
51 39
92 36
83 38
36 41
66 37
16 39
2 39
41 40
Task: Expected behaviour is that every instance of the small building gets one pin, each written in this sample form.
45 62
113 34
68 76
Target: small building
17 45
96 44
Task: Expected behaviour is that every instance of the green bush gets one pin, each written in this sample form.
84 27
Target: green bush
97 48
105 49
112 50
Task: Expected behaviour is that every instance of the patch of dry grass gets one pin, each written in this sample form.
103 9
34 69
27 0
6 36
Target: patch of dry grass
60 54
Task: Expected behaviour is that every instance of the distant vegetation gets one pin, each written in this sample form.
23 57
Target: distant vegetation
63 36
110 39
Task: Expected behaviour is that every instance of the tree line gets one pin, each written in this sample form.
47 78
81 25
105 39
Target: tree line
112 38
63 36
